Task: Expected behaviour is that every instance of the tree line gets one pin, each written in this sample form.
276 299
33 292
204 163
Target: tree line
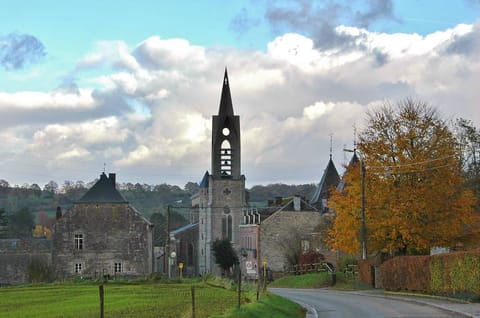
29 208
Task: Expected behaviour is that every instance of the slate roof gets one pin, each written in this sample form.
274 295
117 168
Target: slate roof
353 161
183 228
330 179
204 182
226 107
104 191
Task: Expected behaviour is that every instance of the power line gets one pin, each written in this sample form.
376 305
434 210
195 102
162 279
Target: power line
412 164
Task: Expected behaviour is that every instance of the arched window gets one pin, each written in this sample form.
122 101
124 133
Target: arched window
225 158
229 227
227 223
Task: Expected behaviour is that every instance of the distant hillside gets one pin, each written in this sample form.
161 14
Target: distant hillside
147 199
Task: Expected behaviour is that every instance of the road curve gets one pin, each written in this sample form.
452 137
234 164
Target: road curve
329 303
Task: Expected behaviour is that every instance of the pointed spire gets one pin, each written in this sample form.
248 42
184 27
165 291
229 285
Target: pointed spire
226 107
331 145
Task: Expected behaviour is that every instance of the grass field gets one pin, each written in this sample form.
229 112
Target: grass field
120 300
141 299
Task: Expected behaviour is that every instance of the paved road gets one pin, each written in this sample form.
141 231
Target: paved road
332 303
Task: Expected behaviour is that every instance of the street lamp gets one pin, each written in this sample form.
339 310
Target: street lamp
171 261
363 230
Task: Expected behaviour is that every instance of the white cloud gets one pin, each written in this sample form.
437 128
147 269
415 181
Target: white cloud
53 100
149 115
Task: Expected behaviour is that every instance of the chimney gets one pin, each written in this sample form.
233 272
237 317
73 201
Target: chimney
111 177
58 215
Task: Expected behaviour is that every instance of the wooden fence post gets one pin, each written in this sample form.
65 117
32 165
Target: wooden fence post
193 301
100 291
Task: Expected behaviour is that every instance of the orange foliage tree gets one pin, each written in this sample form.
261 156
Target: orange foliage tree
415 192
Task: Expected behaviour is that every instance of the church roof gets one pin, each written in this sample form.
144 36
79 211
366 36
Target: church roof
353 161
226 107
204 182
330 179
104 191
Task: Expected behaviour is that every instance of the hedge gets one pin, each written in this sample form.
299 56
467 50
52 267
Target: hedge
453 274
456 273
406 273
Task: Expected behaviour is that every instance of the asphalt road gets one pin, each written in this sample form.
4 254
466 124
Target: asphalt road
332 303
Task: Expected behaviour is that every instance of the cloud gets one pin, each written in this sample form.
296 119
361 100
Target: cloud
146 110
17 50
320 21
466 43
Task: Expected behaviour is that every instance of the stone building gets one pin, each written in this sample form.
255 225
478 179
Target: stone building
102 235
295 223
221 196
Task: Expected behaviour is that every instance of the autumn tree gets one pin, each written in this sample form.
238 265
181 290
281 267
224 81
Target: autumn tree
414 187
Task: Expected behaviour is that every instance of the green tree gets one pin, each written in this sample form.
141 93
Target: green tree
20 223
3 223
224 254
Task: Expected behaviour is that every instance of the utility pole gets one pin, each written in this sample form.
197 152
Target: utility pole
364 226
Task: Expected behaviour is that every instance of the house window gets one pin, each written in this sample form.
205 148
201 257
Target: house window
78 268
78 241
118 268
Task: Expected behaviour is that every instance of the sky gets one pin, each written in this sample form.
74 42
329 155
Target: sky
130 87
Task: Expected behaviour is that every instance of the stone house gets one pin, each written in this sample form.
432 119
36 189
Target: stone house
102 235
291 225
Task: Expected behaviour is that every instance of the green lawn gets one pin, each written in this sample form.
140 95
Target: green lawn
315 280
121 300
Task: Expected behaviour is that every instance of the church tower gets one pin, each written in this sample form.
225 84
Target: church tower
221 197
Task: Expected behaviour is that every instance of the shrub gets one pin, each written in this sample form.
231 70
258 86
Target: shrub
344 261
311 258
39 271
406 273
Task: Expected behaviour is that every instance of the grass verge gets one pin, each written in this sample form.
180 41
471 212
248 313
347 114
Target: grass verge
269 305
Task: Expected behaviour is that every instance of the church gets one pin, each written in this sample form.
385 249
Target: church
221 198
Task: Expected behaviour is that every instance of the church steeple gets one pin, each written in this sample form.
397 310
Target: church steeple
226 137
226 107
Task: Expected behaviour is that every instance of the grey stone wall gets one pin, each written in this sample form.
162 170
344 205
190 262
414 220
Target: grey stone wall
112 233
282 226
16 255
